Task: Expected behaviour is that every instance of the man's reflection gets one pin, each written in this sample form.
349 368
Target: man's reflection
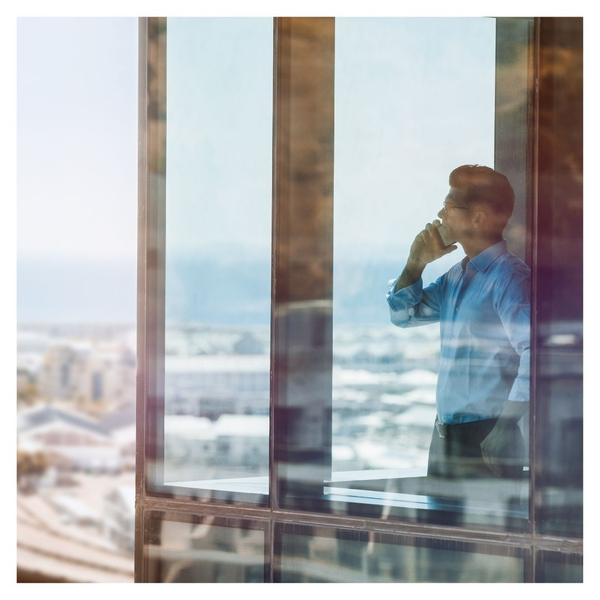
483 307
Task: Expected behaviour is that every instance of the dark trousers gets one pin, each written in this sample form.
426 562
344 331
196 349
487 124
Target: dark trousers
455 451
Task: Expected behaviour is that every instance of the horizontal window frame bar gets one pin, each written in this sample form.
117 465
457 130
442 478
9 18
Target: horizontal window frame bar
524 540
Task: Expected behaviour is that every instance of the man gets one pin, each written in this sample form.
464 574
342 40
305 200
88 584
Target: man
483 306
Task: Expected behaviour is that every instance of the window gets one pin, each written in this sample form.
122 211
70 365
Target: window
415 98
317 554
187 549
329 410
213 108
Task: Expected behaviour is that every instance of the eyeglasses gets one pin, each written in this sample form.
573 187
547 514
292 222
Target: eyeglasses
447 206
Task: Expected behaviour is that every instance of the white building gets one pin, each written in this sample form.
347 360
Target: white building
243 440
216 384
74 511
119 517
189 440
73 436
77 371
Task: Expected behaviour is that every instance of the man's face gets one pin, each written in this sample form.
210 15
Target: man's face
456 216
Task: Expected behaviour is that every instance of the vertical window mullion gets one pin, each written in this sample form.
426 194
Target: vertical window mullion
154 251
303 256
513 156
559 279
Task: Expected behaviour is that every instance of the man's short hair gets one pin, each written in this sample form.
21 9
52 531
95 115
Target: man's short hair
482 184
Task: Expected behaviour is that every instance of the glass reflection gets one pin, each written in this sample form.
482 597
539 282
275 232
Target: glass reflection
218 254
204 550
383 379
397 139
311 555
414 99
483 307
558 567
559 422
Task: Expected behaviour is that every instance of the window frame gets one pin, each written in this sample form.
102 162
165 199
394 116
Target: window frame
151 287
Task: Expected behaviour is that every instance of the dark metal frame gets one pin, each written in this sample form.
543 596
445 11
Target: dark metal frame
151 340
395 538
239 523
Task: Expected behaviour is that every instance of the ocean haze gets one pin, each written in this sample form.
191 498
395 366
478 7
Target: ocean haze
76 290
213 289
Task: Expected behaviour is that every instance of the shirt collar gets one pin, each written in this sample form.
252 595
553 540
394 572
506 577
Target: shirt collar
484 259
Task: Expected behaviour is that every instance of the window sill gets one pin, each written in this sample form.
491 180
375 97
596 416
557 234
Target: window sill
396 488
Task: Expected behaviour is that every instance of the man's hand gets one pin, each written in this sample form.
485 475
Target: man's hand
428 246
494 447
499 448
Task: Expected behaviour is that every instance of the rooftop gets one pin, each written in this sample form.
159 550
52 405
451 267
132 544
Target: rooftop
44 414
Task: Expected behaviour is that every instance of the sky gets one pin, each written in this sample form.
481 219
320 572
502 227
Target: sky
219 135
406 90
414 98
77 129
77 138
77 169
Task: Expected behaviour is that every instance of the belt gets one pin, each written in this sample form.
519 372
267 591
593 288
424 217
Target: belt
443 429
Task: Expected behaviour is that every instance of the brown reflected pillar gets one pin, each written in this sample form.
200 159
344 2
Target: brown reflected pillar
515 103
559 304
151 255
303 257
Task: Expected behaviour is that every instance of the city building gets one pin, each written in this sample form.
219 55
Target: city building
82 371
211 385
118 524
81 442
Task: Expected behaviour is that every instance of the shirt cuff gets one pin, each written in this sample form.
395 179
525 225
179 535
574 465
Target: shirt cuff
518 397
404 297
520 390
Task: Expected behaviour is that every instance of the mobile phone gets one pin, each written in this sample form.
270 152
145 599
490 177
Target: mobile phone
446 240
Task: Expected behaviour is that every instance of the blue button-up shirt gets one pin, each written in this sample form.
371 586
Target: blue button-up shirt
483 307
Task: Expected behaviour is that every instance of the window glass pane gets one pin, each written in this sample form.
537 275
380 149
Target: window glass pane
187 549
414 99
218 254
317 554
558 567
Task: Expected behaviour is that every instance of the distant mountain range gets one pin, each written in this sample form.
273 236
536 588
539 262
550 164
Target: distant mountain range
199 289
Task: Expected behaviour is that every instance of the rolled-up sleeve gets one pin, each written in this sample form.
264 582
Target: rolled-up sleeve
413 306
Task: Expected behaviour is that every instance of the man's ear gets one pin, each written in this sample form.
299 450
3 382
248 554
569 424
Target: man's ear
480 218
